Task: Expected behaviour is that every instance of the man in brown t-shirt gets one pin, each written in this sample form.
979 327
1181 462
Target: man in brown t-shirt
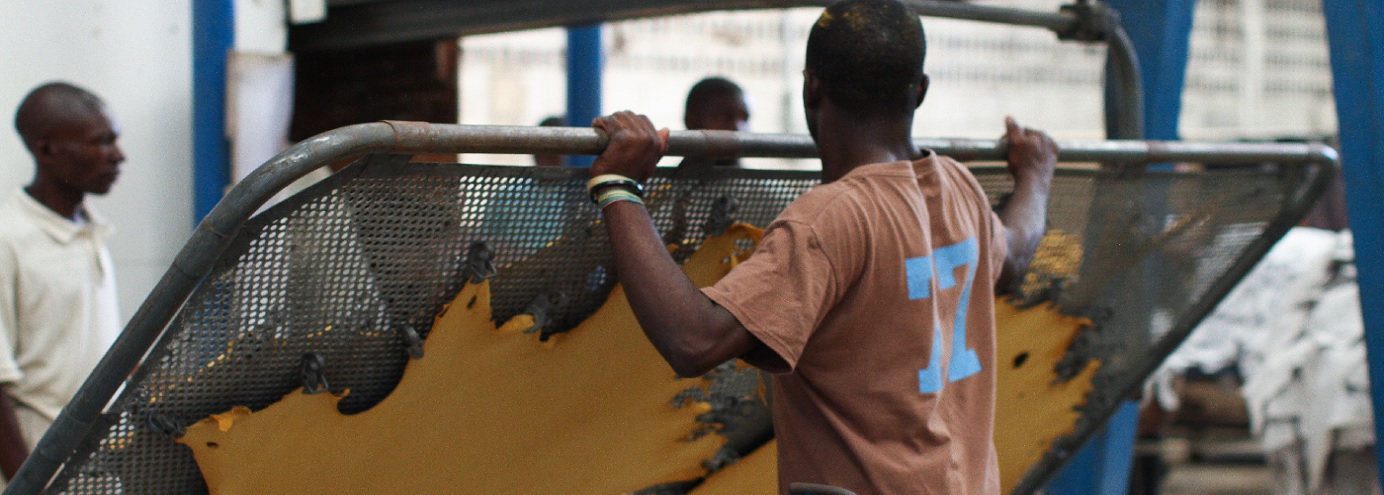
871 296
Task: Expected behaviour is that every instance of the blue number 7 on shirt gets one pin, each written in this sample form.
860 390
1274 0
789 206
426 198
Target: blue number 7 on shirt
943 264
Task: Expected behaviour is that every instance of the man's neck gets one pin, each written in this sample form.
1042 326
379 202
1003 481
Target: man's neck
61 200
856 142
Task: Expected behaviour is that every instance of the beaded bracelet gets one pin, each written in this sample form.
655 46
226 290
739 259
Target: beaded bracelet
606 181
616 195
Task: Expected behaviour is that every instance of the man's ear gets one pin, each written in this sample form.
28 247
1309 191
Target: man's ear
922 91
43 149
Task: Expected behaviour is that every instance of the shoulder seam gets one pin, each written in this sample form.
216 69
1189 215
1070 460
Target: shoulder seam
817 242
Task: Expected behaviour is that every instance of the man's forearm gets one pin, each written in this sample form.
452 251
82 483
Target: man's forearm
1025 219
13 448
687 328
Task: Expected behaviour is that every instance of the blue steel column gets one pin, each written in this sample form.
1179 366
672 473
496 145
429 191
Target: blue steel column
213 32
1160 31
585 67
1357 65
1103 465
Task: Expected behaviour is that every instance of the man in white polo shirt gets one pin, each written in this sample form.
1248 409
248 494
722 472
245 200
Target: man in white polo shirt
58 311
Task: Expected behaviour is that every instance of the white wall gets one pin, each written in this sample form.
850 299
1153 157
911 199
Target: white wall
259 26
1258 69
138 57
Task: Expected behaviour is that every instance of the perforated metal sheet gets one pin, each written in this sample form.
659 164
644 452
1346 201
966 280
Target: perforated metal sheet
342 268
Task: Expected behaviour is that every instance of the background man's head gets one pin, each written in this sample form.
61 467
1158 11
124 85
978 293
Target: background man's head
716 103
867 55
72 136
546 160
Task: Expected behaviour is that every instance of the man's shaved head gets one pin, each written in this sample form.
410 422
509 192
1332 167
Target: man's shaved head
716 103
869 56
51 106
72 136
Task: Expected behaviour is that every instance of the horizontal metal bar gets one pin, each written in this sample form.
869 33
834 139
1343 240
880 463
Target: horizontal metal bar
453 138
986 13
1056 21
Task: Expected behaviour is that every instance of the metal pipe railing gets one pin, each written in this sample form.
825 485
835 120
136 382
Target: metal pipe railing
1058 21
215 233
1125 86
452 138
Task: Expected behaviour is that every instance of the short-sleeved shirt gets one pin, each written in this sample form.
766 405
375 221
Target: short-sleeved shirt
878 291
58 311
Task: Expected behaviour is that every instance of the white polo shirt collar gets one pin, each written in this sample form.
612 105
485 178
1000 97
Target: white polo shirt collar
61 228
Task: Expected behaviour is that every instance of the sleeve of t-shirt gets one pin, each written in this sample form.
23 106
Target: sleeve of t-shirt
993 229
9 315
783 291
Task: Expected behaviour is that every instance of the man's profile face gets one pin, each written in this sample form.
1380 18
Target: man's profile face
82 154
721 112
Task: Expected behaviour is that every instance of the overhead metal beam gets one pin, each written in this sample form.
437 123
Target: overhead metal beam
355 24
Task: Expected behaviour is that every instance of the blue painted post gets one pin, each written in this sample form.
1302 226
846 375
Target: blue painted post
1102 466
585 67
213 32
1357 65
1160 31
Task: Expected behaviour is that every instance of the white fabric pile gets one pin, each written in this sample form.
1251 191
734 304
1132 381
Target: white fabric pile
1294 328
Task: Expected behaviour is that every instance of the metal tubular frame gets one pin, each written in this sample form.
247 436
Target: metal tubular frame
216 231
1082 22
985 13
1125 114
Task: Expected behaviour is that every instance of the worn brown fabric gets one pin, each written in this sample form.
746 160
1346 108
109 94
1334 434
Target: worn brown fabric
858 285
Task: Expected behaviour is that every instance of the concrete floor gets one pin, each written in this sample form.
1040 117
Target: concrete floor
1213 466
1217 479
